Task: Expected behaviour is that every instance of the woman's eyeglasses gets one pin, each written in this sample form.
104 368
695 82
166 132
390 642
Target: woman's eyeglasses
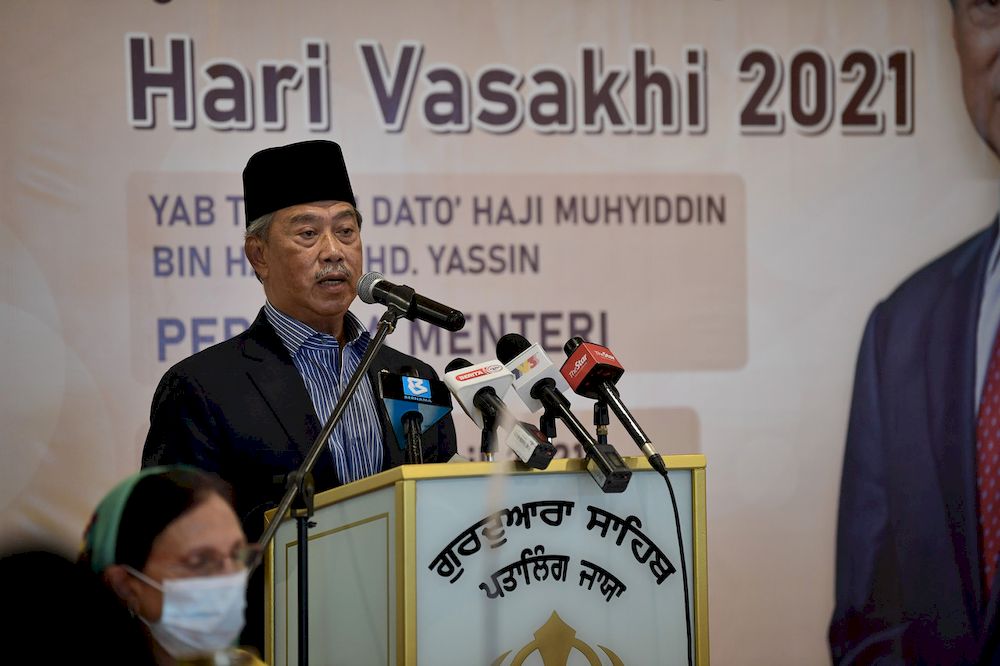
213 563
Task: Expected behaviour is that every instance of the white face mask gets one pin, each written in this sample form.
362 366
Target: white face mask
200 615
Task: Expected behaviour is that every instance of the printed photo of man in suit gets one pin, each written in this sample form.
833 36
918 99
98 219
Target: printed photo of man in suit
919 520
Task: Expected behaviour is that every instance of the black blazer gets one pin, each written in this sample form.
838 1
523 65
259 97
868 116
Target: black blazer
241 410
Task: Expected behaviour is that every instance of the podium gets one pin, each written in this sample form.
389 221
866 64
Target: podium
496 564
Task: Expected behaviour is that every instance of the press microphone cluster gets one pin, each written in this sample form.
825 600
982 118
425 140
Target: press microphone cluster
541 385
374 288
590 370
479 389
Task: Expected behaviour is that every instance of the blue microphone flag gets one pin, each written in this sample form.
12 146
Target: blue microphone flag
403 394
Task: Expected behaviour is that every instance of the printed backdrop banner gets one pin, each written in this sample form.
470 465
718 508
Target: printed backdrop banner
718 191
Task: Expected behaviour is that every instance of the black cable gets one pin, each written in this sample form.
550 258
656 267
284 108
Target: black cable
662 469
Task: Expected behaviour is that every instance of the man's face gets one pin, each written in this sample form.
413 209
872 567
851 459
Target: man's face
977 37
311 262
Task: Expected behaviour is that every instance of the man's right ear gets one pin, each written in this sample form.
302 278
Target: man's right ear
254 250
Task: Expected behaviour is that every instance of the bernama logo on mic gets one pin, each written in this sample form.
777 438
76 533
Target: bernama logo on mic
416 387
480 372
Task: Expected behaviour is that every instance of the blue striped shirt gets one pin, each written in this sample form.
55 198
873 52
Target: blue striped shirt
356 441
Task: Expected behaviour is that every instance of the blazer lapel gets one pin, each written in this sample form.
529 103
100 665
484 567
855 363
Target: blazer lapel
950 375
274 375
271 370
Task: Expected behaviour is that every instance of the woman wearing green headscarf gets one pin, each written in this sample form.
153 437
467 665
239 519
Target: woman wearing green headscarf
168 543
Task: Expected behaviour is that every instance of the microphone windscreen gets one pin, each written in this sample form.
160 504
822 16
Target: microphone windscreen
572 344
366 286
510 346
456 364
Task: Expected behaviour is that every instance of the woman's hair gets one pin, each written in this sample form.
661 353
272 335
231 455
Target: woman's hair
137 510
155 502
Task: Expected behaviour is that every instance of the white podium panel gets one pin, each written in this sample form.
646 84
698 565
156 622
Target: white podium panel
352 584
511 571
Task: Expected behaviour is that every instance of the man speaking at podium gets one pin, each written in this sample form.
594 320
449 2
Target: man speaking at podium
248 409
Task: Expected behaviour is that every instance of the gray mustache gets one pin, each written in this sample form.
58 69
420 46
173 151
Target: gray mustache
325 272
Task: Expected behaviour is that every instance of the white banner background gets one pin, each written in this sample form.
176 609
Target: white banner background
740 338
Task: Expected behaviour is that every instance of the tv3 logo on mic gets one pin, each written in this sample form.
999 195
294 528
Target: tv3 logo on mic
525 366
415 387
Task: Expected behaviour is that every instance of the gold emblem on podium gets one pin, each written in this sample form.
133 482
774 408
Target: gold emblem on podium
554 642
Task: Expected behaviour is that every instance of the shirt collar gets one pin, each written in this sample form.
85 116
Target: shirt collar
295 335
994 258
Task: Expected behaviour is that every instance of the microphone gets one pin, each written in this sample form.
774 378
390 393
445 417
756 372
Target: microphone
592 371
529 364
413 405
479 389
537 381
467 382
374 288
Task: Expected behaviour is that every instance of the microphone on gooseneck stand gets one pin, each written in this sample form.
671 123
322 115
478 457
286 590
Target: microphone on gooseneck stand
592 371
414 405
540 385
374 288
479 389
